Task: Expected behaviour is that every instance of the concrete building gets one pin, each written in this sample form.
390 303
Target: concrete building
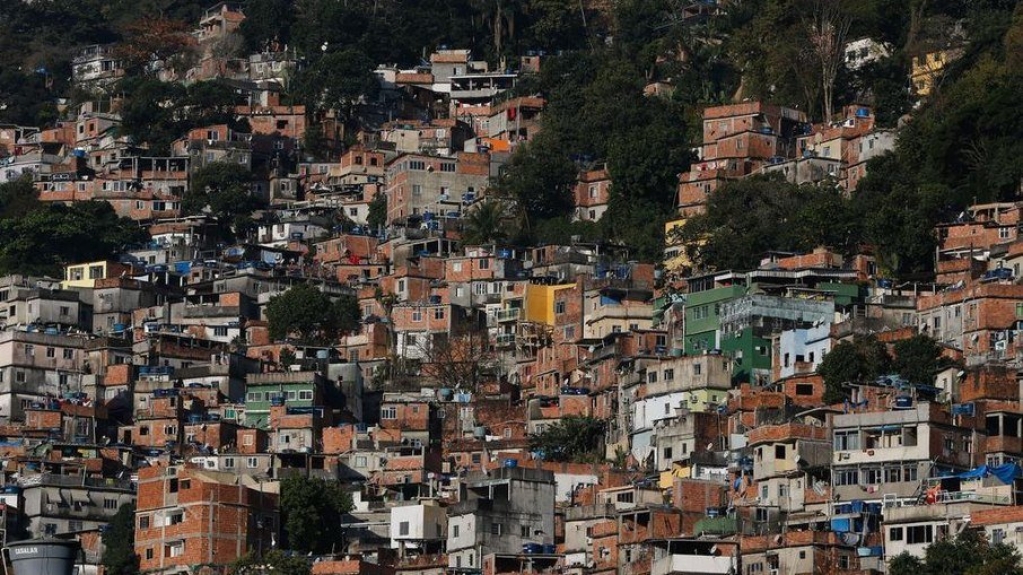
499 511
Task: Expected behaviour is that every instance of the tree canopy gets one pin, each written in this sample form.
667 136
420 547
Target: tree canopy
42 241
310 315
119 556
861 360
573 438
312 513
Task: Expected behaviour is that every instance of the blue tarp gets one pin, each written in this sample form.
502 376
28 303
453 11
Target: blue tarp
1005 473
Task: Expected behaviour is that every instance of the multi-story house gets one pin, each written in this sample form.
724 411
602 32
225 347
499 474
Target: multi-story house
186 516
498 513
428 187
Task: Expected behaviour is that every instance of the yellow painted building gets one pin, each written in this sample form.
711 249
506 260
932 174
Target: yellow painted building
927 69
540 302
85 275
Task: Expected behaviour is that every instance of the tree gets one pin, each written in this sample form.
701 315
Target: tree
486 223
274 561
861 360
149 40
18 198
459 359
313 509
917 359
539 177
827 29
309 314
577 439
377 217
119 556
222 188
267 24
44 240
338 81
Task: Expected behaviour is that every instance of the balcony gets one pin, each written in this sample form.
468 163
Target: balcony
691 564
199 311
505 340
509 315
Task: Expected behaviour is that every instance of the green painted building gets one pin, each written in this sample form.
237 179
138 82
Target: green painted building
703 318
288 388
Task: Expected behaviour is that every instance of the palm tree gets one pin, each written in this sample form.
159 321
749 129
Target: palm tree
486 223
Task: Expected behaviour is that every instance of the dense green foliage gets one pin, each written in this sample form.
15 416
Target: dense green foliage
958 147
748 217
223 190
969 553
573 438
858 361
119 556
312 512
918 358
309 314
864 359
42 241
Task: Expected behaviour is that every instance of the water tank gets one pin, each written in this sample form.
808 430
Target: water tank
903 402
511 462
550 549
43 557
446 394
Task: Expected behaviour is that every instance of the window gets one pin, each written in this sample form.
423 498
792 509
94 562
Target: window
51 352
252 462
847 440
172 485
228 463
669 375
306 395
417 314
484 264
143 522
95 272
651 377
804 389
30 350
624 497
454 531
918 534
389 412
438 313
403 528
871 476
495 529
149 553
697 369
895 534
69 354
109 503
846 477
893 474
447 167
176 549
559 307
667 454
524 531
220 331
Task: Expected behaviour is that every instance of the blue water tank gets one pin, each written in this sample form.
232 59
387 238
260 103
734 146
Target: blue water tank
903 402
511 463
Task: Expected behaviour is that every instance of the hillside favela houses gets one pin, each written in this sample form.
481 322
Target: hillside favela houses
257 319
